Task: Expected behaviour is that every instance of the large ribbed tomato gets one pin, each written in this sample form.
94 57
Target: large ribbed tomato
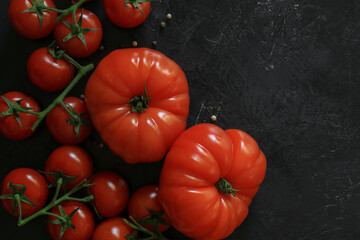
138 125
209 179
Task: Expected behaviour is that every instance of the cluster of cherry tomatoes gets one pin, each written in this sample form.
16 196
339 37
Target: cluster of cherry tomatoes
69 168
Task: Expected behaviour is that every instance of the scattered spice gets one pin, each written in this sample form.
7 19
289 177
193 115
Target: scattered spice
213 118
82 96
154 43
101 145
134 43
169 16
101 48
163 24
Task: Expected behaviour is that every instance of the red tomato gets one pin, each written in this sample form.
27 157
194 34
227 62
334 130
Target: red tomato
60 129
191 187
83 220
111 193
36 190
112 229
126 16
47 73
138 136
9 126
28 24
74 46
146 197
72 161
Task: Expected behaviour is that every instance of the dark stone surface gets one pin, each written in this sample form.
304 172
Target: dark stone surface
285 71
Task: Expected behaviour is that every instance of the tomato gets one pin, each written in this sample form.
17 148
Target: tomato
48 73
138 127
9 126
146 197
125 14
74 46
36 190
112 229
83 220
201 172
73 161
111 193
58 124
28 24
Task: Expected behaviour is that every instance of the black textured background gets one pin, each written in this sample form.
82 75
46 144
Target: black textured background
285 71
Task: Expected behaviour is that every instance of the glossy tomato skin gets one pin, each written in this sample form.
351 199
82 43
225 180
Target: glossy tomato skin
134 136
36 190
83 221
146 197
47 73
75 47
28 24
126 17
111 193
60 129
73 161
198 159
112 229
9 127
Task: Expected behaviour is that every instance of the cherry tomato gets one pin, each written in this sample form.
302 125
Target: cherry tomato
146 197
28 24
73 161
74 46
36 190
126 15
9 126
138 125
83 220
48 73
57 122
111 193
112 229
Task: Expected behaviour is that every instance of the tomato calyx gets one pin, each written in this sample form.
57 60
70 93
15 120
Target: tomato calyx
76 29
60 178
140 103
18 196
63 220
57 53
139 228
223 186
77 120
154 219
135 3
38 8
15 109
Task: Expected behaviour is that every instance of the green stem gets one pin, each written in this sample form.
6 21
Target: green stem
84 200
82 71
135 225
58 186
67 110
64 13
56 202
17 198
53 9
